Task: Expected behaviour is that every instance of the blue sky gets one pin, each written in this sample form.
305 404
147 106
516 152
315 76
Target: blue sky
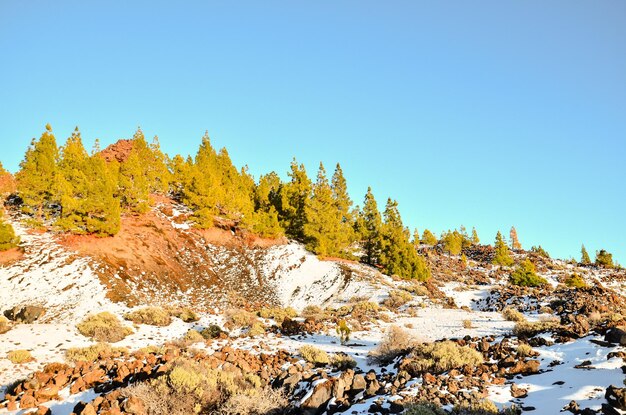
485 113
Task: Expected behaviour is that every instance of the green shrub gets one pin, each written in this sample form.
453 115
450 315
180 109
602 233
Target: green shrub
93 352
511 314
440 357
397 298
103 327
212 332
525 276
540 251
8 239
18 357
604 259
314 355
343 331
575 281
153 316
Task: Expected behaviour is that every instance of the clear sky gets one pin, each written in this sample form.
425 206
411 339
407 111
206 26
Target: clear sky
482 113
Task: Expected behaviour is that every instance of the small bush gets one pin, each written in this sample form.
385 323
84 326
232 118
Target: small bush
423 408
365 311
467 324
525 350
440 357
511 314
213 332
575 281
417 289
530 329
343 331
238 319
257 329
397 298
525 276
4 324
93 352
153 316
278 313
312 311
18 357
193 336
8 239
103 327
266 402
395 343
478 407
314 355
185 314
342 361
540 251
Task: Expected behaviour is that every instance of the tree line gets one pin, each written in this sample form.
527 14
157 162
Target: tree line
82 193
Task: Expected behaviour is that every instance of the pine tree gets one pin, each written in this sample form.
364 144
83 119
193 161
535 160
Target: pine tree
72 184
134 188
428 238
416 238
452 242
102 208
515 244
585 260
343 206
323 226
371 232
502 254
604 259
36 179
86 191
181 176
475 239
294 197
7 182
398 256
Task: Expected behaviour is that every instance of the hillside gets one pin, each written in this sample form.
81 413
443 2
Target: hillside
158 259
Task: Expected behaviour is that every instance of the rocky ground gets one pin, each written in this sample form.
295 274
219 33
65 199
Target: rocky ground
264 328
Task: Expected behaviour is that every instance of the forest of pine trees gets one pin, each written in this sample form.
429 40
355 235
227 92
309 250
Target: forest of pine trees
84 192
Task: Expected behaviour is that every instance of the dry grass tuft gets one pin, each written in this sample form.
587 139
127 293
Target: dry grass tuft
268 401
511 314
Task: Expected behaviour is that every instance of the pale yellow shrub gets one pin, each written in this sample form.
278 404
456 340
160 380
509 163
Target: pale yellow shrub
314 355
18 357
103 327
153 316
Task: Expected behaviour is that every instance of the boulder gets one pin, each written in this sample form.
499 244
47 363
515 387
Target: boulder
616 397
27 315
316 403
616 335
